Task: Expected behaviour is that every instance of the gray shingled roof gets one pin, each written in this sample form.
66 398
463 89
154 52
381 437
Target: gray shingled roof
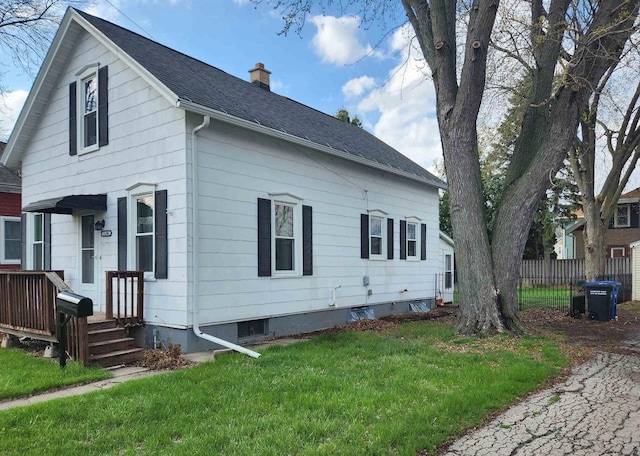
8 179
205 85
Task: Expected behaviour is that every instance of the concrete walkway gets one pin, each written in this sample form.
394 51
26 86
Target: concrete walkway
595 412
120 375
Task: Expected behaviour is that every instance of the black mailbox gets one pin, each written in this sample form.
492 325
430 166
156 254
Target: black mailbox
74 305
69 305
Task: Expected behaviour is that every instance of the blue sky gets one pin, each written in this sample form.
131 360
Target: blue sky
333 63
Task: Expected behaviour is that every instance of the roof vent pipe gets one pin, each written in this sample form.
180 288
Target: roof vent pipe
261 77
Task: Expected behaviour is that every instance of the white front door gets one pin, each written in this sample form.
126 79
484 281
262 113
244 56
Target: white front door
89 260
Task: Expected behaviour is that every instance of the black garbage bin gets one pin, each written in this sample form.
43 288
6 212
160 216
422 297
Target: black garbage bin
602 298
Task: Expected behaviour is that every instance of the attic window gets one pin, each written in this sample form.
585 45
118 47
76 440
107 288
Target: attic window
87 87
88 110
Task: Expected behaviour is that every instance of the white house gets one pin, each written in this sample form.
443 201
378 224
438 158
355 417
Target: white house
252 215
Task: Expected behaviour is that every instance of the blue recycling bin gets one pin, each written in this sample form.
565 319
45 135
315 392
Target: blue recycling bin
602 299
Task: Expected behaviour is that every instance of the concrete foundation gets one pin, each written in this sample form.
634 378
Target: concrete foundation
280 326
51 351
10 341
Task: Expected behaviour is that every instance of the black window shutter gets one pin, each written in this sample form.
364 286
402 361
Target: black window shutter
103 106
264 237
162 245
122 234
390 239
307 240
364 236
403 239
634 216
423 241
46 265
73 120
23 241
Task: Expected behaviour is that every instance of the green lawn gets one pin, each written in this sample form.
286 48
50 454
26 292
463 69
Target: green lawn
22 374
411 387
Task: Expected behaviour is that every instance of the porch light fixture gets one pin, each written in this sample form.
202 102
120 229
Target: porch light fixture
99 225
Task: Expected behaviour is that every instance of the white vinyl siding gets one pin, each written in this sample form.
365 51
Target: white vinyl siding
147 142
237 167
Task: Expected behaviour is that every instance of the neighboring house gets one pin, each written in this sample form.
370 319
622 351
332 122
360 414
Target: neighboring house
624 228
565 242
283 221
446 279
10 209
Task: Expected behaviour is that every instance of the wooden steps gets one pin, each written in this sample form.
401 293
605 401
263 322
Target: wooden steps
110 346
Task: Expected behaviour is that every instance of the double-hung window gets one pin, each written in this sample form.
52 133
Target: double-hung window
142 231
37 246
376 235
88 110
412 240
286 242
10 238
623 216
413 236
448 271
285 246
287 237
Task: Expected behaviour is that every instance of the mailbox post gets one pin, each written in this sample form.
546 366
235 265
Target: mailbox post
69 305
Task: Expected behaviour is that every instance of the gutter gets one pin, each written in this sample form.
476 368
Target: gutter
195 248
228 118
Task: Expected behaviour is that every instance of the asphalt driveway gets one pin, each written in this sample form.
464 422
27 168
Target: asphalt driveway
595 412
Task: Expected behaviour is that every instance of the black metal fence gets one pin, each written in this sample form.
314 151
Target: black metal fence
557 293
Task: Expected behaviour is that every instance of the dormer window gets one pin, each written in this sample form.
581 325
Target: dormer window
88 110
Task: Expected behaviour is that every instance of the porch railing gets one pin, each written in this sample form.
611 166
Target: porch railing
28 309
125 297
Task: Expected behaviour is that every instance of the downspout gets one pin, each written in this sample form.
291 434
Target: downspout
195 248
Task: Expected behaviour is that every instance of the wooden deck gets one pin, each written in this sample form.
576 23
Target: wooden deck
28 309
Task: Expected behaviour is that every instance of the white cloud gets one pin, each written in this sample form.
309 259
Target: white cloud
336 42
279 87
241 2
107 11
10 105
356 87
406 104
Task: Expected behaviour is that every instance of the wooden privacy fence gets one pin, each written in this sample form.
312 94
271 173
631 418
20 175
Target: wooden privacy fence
28 309
125 299
537 272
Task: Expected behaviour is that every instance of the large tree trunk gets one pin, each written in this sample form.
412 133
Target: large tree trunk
595 230
480 312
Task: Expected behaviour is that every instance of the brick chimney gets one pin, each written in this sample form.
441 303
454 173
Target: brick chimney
260 76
